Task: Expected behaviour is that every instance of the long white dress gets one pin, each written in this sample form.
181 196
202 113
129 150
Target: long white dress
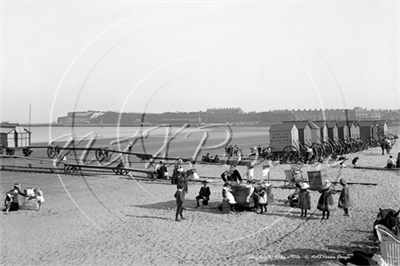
229 196
40 197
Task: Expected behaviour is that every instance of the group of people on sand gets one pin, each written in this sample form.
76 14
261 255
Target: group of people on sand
325 203
204 196
232 150
11 202
210 159
180 178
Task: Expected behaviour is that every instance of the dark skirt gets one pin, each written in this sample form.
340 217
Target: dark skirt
304 201
325 202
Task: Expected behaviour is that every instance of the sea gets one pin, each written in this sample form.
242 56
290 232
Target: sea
253 135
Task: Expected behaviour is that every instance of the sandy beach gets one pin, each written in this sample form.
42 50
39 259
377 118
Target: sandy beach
115 220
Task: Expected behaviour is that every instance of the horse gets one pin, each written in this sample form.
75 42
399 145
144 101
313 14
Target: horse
389 218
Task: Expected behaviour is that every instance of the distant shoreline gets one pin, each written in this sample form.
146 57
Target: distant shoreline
153 125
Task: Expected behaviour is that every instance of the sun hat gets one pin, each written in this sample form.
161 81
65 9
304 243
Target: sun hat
326 184
304 185
343 181
205 181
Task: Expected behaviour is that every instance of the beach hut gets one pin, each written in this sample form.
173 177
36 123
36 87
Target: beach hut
332 130
354 129
282 135
366 129
382 127
375 130
12 136
304 130
323 129
22 137
343 130
315 132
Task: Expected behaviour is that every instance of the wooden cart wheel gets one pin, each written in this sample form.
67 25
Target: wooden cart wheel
108 154
27 152
290 154
10 151
57 150
51 152
100 155
67 169
270 153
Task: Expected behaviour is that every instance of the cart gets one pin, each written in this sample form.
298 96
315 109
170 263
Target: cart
245 194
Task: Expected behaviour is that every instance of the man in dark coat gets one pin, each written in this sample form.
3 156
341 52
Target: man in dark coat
182 180
161 171
231 175
204 194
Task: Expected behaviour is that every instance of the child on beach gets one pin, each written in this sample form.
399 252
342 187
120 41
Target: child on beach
204 194
344 198
293 198
227 195
180 198
325 202
304 199
39 198
262 198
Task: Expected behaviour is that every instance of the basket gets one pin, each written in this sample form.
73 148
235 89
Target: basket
390 246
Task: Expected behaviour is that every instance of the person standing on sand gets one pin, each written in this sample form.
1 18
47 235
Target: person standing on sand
182 180
325 202
383 143
39 198
227 195
388 145
304 199
262 199
344 198
180 198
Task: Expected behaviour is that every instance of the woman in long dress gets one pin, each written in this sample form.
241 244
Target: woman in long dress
325 202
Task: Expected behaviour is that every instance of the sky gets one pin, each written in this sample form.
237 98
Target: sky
167 56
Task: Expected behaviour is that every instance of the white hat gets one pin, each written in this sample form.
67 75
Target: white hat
326 184
304 185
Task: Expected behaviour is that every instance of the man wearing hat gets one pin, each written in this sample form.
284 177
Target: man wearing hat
231 175
11 200
204 194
